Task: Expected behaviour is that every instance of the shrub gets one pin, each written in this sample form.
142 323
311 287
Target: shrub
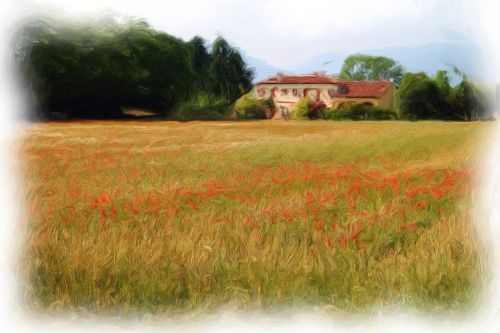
249 107
360 112
300 109
382 114
306 108
316 110
338 114
203 107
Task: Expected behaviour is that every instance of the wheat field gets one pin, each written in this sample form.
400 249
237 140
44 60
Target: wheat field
169 218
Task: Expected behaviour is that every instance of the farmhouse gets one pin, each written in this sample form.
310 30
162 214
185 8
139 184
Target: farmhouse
286 90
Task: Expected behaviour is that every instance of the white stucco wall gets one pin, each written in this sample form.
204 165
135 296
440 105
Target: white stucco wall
288 99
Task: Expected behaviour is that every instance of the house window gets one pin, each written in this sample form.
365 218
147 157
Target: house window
284 91
331 93
295 92
313 93
261 92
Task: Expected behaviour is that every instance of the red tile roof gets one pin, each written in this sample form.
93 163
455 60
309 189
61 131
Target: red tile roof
299 79
364 88
349 89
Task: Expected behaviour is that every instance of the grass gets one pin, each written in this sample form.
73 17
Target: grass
167 218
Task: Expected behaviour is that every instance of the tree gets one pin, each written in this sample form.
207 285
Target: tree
468 102
95 69
418 97
360 67
201 61
422 97
231 77
443 83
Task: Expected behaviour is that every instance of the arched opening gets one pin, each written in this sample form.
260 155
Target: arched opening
274 92
313 93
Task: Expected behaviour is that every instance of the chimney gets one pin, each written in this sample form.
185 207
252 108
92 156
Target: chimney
320 73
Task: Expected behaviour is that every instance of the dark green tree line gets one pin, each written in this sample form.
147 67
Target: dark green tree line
418 95
92 71
424 97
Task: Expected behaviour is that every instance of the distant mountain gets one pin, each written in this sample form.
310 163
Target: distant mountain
428 58
262 69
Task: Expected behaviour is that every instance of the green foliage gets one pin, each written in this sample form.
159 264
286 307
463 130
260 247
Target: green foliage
360 67
301 109
360 112
422 97
468 102
231 77
316 110
418 97
306 108
249 107
201 61
203 107
93 69
443 83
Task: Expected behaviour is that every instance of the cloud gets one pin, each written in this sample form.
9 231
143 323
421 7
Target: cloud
285 33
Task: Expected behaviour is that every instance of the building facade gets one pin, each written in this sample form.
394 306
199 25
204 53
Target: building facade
286 90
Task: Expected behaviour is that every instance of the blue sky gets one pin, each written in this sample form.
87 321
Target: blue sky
285 33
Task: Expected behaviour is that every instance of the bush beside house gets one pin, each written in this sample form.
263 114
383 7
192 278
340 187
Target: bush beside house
306 108
249 107
361 112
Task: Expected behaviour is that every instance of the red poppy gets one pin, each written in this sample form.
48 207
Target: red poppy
286 215
435 192
104 199
356 233
343 242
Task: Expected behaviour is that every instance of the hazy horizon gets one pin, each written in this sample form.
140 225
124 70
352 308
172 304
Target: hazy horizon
279 36
284 34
